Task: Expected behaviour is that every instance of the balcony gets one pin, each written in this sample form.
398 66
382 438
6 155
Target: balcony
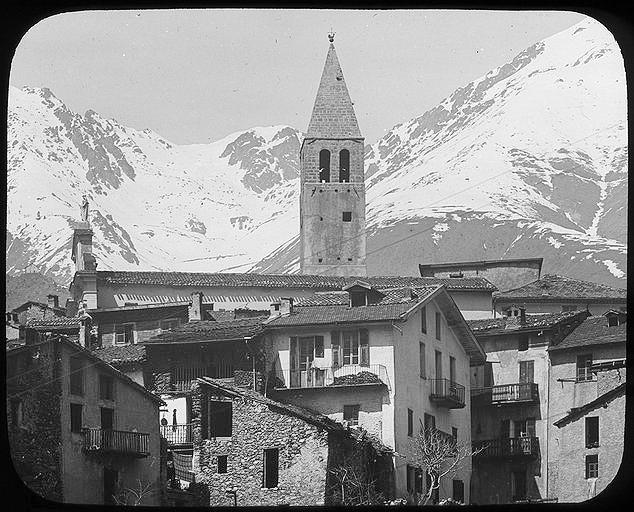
447 393
133 444
182 378
339 376
512 447
521 393
178 434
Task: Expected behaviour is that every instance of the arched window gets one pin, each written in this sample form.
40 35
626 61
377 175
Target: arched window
324 166
344 166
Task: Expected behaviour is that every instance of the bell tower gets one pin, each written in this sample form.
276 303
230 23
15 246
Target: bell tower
332 197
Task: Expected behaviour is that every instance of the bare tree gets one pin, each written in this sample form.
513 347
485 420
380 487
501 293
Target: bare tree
134 496
440 455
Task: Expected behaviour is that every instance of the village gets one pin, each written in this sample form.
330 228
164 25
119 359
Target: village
475 382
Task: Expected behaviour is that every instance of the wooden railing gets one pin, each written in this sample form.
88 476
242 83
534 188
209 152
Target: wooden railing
447 392
177 434
182 378
509 393
348 375
507 447
136 444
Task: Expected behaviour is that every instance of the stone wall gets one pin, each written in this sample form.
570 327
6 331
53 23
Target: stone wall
303 456
35 443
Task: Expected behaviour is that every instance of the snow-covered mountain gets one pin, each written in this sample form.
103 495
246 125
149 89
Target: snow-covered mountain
529 160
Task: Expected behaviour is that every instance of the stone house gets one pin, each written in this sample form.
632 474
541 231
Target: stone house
80 431
555 294
17 318
510 404
252 450
388 361
587 407
505 274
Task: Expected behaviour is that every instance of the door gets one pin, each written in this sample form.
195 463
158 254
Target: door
110 477
526 378
107 425
518 482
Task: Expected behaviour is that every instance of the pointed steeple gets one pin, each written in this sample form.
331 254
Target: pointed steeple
333 115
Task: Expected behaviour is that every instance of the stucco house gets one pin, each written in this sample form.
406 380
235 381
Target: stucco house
80 431
511 403
587 411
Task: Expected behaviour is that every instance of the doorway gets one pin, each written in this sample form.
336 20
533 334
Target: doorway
110 477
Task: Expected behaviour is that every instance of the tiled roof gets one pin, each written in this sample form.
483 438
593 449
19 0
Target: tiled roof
498 325
315 282
121 355
39 304
392 296
54 323
210 330
302 413
332 314
553 287
593 331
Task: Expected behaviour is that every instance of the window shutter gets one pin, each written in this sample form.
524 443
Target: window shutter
530 365
293 353
530 427
319 346
364 343
334 341
505 429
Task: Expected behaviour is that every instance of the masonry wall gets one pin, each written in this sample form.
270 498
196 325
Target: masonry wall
303 456
35 443
556 306
506 276
473 304
133 411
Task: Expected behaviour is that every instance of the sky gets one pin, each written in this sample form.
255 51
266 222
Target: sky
195 76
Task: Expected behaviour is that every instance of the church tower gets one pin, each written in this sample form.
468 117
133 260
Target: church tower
332 198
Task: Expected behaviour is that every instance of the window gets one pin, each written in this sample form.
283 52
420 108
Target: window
107 418
438 364
592 466
583 367
527 371
271 468
351 414
17 417
106 387
324 166
304 350
458 491
421 358
452 369
592 432
350 347
222 463
219 418
568 307
411 479
76 376
522 343
171 323
344 166
75 418
410 422
124 334
429 421
358 299
438 317
347 216
613 320
423 320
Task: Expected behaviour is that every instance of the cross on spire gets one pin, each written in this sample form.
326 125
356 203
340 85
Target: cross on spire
331 36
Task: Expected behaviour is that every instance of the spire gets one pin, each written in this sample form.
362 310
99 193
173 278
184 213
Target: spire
333 115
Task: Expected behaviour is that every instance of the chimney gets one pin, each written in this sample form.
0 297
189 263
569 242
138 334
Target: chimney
71 308
522 315
286 305
52 300
196 307
275 309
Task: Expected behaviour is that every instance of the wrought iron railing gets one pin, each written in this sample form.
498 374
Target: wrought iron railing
177 434
348 375
507 447
119 441
445 390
